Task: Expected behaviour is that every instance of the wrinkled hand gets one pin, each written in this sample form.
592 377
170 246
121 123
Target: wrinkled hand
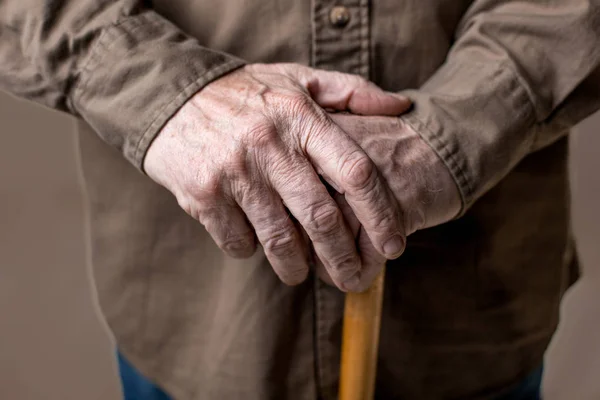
251 145
421 183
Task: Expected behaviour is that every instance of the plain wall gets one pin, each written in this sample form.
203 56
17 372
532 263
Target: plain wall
53 343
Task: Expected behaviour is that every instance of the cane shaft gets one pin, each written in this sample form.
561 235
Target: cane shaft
360 342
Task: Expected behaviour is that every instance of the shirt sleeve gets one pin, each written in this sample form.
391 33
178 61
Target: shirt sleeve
518 76
117 64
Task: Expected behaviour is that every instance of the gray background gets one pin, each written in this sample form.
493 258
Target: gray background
53 342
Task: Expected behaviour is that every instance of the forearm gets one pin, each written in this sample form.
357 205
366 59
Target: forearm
518 76
120 66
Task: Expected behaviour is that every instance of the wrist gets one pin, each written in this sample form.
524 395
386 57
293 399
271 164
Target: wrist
432 198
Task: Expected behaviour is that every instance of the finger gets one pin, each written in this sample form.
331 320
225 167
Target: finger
371 261
351 171
310 203
353 225
230 230
346 92
275 230
371 100
322 273
353 222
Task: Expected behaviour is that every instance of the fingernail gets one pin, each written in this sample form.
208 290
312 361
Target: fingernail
351 283
394 247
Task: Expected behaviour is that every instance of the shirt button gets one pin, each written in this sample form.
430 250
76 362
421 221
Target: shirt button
339 16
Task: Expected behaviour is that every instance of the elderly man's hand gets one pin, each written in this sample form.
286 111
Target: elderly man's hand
420 181
250 147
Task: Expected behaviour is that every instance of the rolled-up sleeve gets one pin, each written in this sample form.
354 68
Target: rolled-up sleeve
117 64
519 74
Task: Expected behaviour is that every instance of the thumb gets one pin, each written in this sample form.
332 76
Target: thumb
346 92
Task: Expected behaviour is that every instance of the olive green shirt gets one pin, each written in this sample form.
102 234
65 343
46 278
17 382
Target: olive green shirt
471 305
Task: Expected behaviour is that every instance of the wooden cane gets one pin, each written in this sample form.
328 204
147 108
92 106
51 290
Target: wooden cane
360 342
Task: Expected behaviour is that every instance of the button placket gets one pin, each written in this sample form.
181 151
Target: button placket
340 42
340 36
339 16
329 309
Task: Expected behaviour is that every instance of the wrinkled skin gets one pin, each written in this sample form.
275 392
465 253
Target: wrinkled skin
420 182
246 153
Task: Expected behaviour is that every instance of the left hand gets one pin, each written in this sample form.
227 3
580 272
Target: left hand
420 181
246 152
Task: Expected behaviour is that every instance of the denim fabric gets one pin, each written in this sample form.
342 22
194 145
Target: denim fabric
137 387
529 389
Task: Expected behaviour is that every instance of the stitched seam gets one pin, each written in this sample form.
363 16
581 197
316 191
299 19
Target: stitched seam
320 356
313 32
529 100
364 39
448 157
105 41
522 84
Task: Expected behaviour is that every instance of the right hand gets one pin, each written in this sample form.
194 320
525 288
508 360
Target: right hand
423 186
254 142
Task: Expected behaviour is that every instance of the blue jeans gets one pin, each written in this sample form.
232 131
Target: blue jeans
528 389
136 387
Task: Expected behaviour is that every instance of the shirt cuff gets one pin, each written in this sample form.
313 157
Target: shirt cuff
138 74
477 118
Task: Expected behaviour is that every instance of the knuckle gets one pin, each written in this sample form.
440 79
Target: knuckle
344 266
384 221
281 243
358 173
261 133
186 204
293 275
361 286
352 81
298 103
313 128
324 221
360 80
241 246
303 111
298 118
237 165
211 218
199 207
206 189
